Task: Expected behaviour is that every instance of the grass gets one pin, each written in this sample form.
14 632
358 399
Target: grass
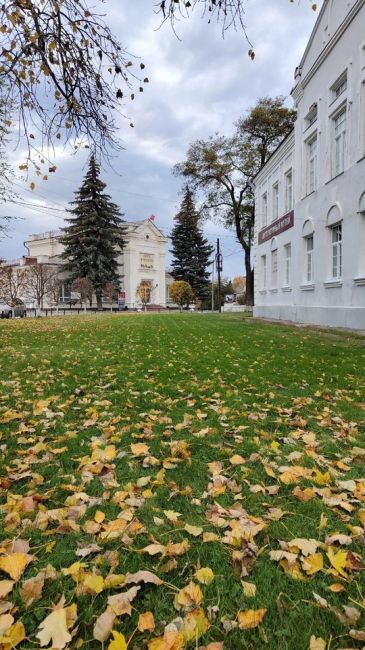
197 389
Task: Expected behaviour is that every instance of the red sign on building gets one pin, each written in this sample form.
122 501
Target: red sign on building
121 298
277 227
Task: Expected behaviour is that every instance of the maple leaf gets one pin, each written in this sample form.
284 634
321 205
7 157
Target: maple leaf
313 563
250 618
118 643
188 597
338 560
14 635
54 629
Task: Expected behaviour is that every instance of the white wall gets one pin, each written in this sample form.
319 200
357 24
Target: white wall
336 200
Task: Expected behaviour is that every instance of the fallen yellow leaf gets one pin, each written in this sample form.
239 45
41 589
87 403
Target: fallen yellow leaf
146 621
338 560
204 575
118 643
313 563
251 618
188 597
316 643
14 564
54 629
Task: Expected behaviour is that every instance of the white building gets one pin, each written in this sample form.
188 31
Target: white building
142 260
310 196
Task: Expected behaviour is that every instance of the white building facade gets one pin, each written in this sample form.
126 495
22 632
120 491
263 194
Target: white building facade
310 196
142 260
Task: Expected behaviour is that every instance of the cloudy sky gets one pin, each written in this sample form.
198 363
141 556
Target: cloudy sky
199 85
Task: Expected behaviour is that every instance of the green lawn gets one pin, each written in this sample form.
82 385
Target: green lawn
175 442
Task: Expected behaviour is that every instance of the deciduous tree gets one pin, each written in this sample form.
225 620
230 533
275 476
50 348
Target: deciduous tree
111 292
95 235
66 73
84 289
181 293
223 169
12 284
191 251
38 280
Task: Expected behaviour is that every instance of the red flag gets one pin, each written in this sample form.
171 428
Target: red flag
152 217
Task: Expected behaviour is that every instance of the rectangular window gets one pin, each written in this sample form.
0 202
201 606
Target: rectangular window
309 259
287 251
264 209
312 164
312 115
337 252
362 119
275 201
263 271
339 143
274 269
339 86
289 191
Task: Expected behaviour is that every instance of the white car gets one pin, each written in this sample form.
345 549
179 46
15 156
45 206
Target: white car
5 311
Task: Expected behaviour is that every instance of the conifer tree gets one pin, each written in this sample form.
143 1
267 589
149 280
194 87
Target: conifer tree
95 235
191 251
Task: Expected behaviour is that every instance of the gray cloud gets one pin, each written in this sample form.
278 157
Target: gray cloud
199 85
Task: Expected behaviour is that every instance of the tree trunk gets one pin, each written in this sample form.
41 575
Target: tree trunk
249 280
99 303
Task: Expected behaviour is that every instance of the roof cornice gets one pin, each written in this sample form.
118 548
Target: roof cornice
331 43
283 149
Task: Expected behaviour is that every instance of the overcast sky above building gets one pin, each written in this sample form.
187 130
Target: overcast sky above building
199 85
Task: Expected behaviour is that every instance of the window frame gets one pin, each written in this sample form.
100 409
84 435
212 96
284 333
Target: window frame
289 190
264 206
274 268
263 272
309 259
339 86
336 251
287 259
339 141
275 201
311 164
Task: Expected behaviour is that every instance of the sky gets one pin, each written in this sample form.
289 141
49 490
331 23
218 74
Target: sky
199 85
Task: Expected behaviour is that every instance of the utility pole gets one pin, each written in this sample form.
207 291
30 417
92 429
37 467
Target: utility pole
219 267
213 286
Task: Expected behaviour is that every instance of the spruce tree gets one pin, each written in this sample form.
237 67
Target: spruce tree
95 235
191 251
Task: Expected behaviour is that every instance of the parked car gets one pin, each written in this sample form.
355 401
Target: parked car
5 311
8 312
